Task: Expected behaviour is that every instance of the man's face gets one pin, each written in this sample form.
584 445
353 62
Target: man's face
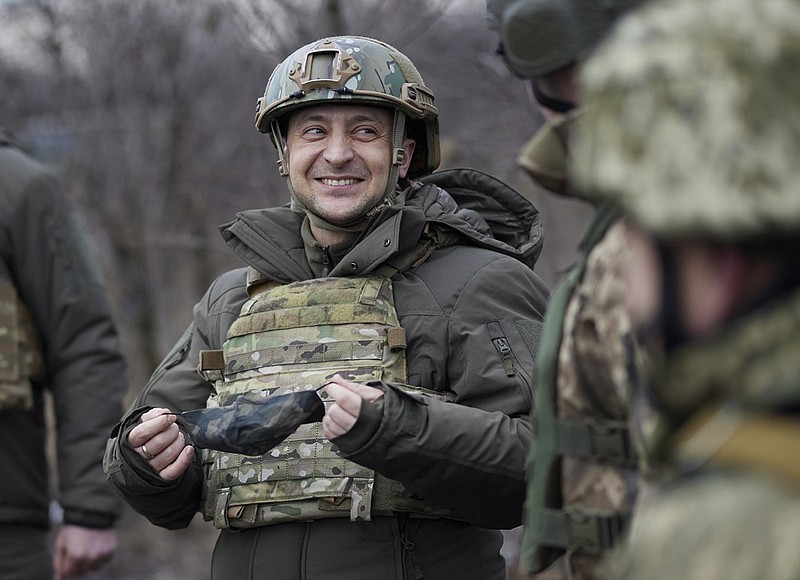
339 158
705 280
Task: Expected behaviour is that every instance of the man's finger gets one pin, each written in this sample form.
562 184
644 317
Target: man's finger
175 469
363 391
149 428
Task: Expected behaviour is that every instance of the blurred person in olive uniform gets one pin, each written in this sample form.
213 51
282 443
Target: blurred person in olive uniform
583 478
56 335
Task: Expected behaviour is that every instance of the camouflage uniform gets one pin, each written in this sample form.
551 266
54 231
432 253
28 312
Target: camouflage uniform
583 478
587 451
692 125
56 335
466 304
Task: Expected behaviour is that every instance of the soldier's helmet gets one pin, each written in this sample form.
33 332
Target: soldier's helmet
692 119
357 70
538 37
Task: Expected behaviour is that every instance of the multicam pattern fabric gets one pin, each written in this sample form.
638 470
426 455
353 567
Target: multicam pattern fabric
366 69
20 351
291 339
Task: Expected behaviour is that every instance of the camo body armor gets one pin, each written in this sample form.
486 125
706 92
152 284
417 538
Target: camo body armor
297 337
21 359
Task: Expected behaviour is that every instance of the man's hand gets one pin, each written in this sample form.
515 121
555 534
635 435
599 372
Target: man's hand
159 440
80 550
343 414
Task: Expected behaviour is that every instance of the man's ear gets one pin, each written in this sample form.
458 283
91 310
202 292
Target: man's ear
408 146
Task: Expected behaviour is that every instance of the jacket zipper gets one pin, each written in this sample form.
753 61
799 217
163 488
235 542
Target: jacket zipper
500 343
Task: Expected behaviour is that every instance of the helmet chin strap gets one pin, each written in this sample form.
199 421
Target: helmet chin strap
389 193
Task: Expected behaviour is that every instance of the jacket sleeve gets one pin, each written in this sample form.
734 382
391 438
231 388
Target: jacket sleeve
469 456
57 277
175 385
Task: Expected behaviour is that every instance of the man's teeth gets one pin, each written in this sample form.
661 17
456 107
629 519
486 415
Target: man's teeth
335 182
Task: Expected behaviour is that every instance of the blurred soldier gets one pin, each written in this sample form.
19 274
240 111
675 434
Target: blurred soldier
582 479
693 125
399 301
56 335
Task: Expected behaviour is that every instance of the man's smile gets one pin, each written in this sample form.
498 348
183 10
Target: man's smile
339 182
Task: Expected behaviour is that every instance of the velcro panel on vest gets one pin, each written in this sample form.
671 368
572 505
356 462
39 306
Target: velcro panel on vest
297 337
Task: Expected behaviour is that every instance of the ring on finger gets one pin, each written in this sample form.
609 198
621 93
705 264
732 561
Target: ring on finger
146 453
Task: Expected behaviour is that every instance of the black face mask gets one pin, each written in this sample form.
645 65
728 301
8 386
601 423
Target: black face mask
252 424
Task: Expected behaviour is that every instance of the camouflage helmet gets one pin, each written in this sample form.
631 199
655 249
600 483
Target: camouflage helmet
539 37
358 70
692 119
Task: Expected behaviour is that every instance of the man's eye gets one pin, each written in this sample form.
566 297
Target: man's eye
313 131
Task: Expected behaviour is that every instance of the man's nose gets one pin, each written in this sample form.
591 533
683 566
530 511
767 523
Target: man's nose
338 150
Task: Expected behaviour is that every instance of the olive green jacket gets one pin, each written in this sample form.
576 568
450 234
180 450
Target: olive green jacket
45 258
471 297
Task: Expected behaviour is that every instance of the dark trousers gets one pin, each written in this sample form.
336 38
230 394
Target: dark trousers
25 553
387 548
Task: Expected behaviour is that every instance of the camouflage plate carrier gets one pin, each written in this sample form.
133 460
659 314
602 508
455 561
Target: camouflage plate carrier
297 337
21 361
582 482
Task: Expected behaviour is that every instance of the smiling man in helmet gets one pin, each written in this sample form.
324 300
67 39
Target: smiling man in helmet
693 126
401 303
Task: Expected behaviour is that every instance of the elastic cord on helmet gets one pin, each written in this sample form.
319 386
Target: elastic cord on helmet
277 140
398 154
